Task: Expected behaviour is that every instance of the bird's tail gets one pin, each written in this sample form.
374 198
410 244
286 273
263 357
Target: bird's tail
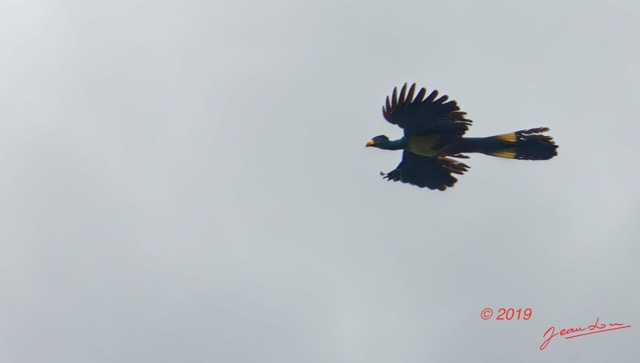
524 144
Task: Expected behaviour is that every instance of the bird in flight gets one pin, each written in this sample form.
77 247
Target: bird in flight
433 130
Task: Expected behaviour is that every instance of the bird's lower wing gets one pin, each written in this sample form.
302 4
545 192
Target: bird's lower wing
424 171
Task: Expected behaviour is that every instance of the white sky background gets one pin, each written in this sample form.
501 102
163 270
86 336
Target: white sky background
187 182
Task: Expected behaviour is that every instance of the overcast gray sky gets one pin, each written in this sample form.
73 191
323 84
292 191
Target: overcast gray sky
186 181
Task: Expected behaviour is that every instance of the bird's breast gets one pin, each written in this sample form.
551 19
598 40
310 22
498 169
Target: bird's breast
426 145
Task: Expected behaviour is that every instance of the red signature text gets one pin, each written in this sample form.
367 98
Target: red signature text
578 332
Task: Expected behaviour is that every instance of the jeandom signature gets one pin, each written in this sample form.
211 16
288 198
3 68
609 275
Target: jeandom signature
571 332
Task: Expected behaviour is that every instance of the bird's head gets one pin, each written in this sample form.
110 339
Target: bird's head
378 141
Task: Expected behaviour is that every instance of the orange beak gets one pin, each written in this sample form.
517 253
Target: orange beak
369 143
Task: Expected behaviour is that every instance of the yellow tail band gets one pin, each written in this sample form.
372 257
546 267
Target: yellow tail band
504 153
510 137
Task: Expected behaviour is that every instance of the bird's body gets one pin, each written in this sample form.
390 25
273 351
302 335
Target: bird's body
433 134
425 145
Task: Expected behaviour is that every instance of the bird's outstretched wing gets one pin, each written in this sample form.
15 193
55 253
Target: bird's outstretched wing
424 171
418 115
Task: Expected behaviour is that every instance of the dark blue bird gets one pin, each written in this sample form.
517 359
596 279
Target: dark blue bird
433 130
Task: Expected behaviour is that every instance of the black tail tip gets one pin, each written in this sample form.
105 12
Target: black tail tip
532 145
